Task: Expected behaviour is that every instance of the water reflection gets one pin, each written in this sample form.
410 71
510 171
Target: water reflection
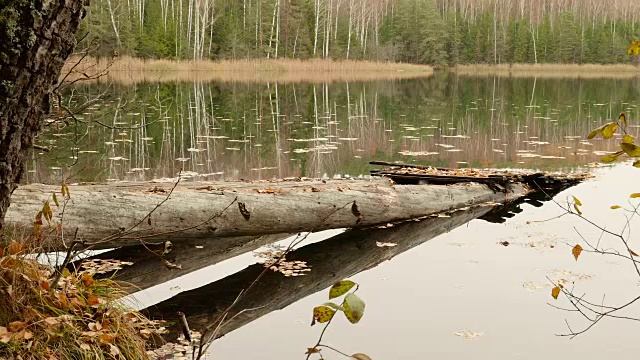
215 131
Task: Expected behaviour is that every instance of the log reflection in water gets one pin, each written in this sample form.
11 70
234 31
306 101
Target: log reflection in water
331 260
149 269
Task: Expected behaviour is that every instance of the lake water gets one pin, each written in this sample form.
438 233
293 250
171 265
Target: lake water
422 302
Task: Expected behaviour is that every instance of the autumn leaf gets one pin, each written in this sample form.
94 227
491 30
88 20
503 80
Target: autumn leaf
634 195
340 288
17 326
611 157
361 356
555 292
628 139
55 200
633 253
607 131
631 149
577 201
87 280
614 207
634 48
93 300
353 308
576 251
575 206
636 163
312 351
623 118
15 248
322 314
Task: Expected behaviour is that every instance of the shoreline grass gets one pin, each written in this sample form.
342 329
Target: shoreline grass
587 71
128 70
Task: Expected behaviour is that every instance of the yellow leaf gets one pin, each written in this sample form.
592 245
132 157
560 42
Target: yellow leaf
87 280
633 253
631 149
575 206
614 207
577 201
340 288
555 292
55 200
634 48
609 130
623 118
636 163
628 139
353 308
322 314
611 157
576 251
634 195
361 356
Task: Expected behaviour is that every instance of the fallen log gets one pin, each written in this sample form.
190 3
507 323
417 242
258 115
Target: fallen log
331 260
107 216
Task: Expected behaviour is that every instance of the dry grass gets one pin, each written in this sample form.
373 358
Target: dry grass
57 314
590 71
134 70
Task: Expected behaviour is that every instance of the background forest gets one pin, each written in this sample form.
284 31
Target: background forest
437 32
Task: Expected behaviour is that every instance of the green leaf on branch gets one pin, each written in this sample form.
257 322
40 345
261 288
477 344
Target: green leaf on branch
322 314
611 157
631 149
340 288
353 308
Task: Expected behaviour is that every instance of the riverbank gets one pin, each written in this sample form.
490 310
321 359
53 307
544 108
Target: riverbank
589 71
128 70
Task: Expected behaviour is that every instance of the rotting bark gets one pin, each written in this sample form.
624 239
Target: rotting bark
261 208
331 260
37 37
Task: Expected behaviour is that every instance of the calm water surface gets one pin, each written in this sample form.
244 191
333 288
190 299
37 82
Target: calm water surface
419 301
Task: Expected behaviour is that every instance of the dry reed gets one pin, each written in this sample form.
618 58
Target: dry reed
588 71
128 70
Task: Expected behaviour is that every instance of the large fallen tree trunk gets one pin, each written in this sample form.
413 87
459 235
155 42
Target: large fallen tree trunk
331 260
117 215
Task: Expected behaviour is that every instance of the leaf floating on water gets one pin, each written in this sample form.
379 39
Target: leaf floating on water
576 251
468 335
322 314
385 244
340 288
555 292
243 210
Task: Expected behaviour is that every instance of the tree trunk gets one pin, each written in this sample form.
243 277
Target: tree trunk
118 212
37 38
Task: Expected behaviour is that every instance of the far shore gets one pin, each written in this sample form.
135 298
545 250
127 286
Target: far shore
135 70
589 71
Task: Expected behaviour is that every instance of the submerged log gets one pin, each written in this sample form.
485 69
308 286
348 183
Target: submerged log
115 215
331 260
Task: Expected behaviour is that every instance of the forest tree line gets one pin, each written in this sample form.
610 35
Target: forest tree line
437 32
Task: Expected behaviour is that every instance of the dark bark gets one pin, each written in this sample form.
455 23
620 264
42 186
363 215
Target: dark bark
36 36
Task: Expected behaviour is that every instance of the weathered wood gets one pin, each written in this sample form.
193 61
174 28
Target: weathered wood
149 270
103 211
36 39
331 260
